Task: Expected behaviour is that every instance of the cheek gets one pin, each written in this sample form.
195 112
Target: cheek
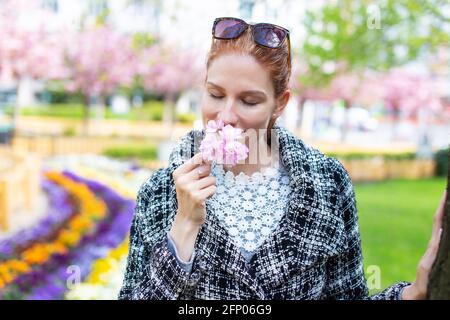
209 109
258 118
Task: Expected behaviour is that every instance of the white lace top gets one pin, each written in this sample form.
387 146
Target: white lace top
250 208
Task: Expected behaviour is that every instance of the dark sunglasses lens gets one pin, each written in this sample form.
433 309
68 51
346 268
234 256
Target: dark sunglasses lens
228 29
269 36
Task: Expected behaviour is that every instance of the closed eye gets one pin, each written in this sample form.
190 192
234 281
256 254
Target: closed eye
215 97
243 101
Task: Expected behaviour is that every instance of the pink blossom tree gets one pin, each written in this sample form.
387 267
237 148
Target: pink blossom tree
361 89
99 60
303 90
168 71
407 94
27 50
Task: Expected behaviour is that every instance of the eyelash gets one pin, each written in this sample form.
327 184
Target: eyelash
246 103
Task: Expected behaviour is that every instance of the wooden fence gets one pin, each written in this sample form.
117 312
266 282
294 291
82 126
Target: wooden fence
50 145
19 183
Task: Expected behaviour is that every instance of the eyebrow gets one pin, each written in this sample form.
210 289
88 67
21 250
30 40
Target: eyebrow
257 92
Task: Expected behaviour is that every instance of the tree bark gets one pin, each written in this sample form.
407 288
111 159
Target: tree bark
300 105
345 123
85 115
439 282
169 113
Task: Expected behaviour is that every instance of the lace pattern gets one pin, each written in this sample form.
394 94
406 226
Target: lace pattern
250 207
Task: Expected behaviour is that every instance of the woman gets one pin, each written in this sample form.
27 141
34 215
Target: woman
287 230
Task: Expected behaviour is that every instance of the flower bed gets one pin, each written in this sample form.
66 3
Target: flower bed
47 269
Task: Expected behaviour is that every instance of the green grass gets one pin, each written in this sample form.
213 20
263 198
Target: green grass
150 111
396 219
136 152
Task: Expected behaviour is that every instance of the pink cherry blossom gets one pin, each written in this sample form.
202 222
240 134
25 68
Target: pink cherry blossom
214 126
221 144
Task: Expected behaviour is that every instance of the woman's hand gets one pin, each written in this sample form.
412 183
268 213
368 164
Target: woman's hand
193 186
418 289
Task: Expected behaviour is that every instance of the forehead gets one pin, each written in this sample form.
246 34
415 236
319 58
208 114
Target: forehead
236 72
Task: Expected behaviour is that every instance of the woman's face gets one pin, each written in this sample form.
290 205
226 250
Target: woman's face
239 91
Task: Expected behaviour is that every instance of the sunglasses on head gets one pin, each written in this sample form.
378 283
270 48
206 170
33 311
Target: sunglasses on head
265 34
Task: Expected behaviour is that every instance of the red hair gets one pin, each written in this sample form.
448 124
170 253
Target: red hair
275 60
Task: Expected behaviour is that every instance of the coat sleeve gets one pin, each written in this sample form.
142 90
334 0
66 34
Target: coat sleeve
152 271
345 271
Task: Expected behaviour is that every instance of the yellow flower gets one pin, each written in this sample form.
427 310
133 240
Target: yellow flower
18 266
68 237
100 268
57 247
81 223
5 274
36 254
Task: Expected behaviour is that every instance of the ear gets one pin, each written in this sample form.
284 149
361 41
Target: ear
281 103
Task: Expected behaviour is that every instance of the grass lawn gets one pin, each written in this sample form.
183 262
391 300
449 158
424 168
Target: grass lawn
150 111
396 219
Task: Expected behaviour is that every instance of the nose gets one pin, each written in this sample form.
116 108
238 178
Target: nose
228 114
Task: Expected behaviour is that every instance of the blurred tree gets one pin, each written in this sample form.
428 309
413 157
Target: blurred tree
346 35
303 90
99 61
168 71
349 37
26 53
408 94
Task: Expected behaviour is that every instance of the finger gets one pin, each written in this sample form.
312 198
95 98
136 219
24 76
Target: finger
437 224
207 192
204 170
204 183
189 165
195 174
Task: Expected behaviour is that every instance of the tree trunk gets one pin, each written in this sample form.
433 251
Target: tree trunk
100 108
300 105
439 282
345 123
15 117
24 98
169 114
86 103
395 122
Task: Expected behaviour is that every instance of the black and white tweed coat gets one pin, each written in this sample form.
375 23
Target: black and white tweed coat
314 253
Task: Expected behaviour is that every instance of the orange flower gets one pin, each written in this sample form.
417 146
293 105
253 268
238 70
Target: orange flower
68 238
5 274
57 247
18 266
36 254
81 223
